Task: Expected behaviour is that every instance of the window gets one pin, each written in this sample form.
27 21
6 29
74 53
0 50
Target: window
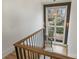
56 17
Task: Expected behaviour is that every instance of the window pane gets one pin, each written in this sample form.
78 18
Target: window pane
51 31
50 17
59 34
60 30
59 21
51 21
61 16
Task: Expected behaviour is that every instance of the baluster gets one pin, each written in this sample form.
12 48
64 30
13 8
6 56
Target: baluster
38 56
27 42
50 57
17 53
44 56
44 37
32 41
20 50
35 40
24 42
28 54
39 36
24 52
33 55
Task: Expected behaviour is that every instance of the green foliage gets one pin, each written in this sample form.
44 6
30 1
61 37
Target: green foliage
59 30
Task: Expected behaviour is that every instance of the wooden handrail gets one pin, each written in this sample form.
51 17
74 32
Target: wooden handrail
28 36
36 49
43 52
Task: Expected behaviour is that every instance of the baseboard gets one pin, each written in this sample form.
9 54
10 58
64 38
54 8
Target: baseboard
7 51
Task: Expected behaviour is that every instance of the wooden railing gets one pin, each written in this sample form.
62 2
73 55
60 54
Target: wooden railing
31 47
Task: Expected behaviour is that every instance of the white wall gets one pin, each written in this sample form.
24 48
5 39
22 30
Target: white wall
19 18
72 37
